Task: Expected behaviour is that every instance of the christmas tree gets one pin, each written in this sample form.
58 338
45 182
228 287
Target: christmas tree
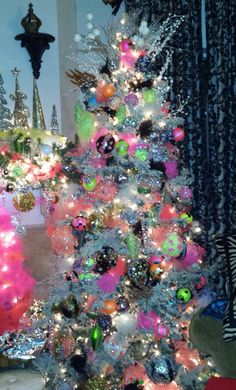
119 318
5 113
21 111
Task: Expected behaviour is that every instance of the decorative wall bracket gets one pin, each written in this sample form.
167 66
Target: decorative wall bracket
35 42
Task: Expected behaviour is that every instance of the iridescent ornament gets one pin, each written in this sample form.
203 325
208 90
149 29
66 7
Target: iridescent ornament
105 144
89 183
184 295
161 369
122 147
149 96
24 201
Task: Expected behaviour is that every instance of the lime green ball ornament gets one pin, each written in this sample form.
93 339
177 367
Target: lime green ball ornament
141 154
122 147
187 218
173 245
89 183
149 96
184 295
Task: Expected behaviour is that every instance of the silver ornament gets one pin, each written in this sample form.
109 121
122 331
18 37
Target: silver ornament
21 231
161 369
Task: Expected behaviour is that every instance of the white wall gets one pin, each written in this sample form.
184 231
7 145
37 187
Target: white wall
12 54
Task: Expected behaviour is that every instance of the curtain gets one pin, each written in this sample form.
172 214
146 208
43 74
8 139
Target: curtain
207 86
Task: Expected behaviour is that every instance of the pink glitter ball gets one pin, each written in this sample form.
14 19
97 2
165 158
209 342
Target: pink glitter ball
125 45
185 193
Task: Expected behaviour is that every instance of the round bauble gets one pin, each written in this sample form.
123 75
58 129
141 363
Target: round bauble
24 201
185 193
125 45
89 183
141 154
161 369
156 270
122 304
105 322
97 383
106 258
131 99
108 90
10 187
178 134
184 295
173 245
122 147
149 96
79 223
109 306
105 144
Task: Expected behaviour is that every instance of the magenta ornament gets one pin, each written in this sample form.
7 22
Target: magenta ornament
131 99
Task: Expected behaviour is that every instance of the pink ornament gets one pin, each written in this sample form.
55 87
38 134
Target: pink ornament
161 330
125 45
108 282
171 169
185 193
79 223
147 320
128 59
178 134
168 213
131 99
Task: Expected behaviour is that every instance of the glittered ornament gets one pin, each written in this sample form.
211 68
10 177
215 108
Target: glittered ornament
137 271
24 201
149 96
97 383
122 304
122 147
173 245
79 223
131 99
89 183
105 322
10 187
105 259
69 307
185 193
184 295
141 153
161 369
105 144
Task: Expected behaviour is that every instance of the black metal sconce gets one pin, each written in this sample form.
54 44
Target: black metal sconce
35 42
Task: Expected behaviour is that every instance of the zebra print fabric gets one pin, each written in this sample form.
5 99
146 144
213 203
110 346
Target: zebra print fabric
226 245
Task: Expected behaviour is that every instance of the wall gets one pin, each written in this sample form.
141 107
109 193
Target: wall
12 54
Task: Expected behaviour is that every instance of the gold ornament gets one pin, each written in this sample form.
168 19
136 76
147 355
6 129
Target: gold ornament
24 201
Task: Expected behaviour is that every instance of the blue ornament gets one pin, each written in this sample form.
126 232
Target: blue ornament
92 102
143 64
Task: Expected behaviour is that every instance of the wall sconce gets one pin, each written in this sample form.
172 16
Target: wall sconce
35 42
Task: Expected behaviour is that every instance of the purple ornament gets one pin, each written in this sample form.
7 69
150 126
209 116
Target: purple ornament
79 223
185 193
131 99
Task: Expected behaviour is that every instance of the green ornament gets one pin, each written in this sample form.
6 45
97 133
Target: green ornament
78 111
96 337
122 147
97 383
90 262
173 245
132 244
144 190
17 172
86 127
149 96
141 154
86 276
121 114
184 295
89 183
